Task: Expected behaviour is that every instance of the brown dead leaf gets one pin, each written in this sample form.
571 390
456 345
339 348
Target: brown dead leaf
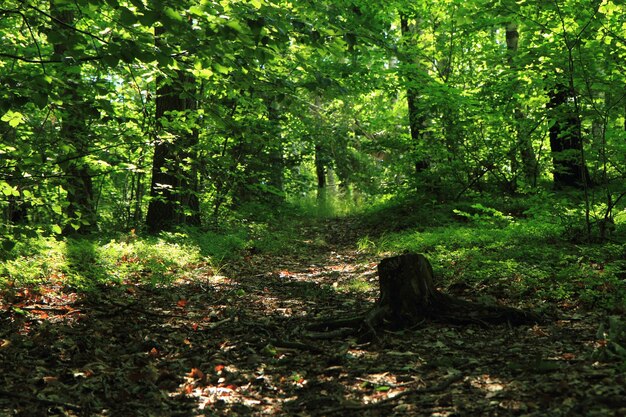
195 373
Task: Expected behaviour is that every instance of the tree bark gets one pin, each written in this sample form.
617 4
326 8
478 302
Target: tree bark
569 169
320 171
523 142
276 158
416 119
80 210
173 188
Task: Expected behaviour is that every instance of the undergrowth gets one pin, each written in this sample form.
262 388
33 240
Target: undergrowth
528 249
525 249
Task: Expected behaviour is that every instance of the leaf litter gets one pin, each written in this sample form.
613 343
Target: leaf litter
235 344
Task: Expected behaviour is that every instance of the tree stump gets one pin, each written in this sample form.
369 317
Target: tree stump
408 296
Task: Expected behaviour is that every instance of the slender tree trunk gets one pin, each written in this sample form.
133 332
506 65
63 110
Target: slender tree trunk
322 157
276 159
80 210
416 118
320 171
190 186
523 141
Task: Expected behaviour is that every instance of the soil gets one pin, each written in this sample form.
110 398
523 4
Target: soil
235 342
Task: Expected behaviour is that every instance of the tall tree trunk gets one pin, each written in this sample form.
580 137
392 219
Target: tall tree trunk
190 181
173 190
80 210
569 169
322 157
416 118
162 208
523 141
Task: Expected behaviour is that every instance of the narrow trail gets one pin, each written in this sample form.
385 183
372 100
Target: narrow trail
233 343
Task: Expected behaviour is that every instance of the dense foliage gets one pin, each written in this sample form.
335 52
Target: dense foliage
186 111
186 186
128 115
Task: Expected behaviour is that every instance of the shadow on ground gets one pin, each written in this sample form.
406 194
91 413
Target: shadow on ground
236 345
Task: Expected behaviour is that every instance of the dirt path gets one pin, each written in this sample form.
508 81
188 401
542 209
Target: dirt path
234 343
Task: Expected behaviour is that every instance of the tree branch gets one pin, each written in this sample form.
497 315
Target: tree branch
48 61
68 26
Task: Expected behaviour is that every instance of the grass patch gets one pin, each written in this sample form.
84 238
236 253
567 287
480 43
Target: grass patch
522 250
356 285
87 263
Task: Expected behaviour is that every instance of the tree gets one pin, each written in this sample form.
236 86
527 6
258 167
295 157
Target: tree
73 132
569 169
410 30
523 143
173 188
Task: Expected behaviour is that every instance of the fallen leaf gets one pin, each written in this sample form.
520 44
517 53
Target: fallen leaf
196 373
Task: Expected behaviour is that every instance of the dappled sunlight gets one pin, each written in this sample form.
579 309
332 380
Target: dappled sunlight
182 335
312 208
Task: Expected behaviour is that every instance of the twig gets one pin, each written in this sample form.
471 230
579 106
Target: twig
216 324
353 321
296 345
333 334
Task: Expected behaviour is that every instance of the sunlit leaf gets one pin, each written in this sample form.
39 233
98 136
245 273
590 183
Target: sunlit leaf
173 14
13 118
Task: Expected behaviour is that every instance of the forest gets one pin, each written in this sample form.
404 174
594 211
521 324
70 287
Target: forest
312 207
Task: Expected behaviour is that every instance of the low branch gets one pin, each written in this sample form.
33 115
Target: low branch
66 25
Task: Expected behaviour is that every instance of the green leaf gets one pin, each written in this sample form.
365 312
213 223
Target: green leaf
173 14
233 24
138 4
57 229
18 310
221 68
57 209
146 56
196 11
13 118
8 190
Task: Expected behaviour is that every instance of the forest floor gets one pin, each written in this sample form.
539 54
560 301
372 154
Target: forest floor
234 342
